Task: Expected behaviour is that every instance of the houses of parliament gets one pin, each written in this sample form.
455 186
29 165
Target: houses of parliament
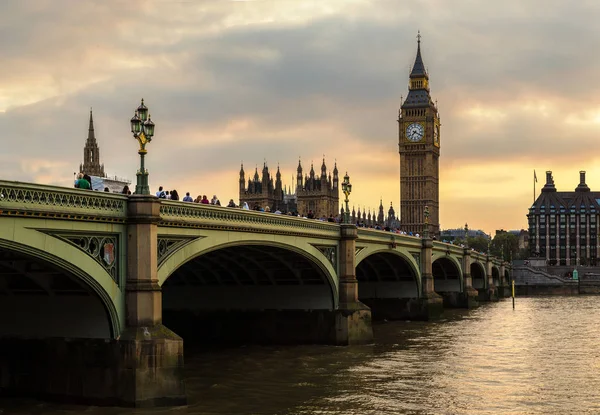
419 149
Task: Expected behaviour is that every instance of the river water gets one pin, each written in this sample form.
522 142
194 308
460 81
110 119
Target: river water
541 358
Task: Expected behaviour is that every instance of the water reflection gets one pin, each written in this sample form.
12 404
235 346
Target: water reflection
542 358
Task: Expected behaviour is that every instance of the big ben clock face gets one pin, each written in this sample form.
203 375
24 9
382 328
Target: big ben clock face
415 132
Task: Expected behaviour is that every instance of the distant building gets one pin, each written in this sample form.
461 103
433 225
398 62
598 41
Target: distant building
262 192
563 225
458 233
370 220
92 167
319 194
419 146
522 237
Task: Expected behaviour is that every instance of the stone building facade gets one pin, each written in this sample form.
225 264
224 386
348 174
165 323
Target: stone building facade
317 194
419 147
563 226
261 191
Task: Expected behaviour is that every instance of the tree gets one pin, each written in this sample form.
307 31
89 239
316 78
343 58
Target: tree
505 245
478 243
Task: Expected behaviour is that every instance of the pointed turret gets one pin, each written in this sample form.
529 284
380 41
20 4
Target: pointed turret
391 213
418 69
91 135
242 179
278 184
418 94
380 215
336 179
91 153
323 170
299 175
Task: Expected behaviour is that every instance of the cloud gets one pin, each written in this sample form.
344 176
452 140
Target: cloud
516 85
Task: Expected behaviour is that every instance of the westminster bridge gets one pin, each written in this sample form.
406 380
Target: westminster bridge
94 287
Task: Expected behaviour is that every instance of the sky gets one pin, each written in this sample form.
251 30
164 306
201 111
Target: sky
517 85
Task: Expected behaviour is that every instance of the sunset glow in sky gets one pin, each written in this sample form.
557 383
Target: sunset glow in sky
517 85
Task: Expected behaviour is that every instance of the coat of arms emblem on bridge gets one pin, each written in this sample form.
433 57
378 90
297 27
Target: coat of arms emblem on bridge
108 253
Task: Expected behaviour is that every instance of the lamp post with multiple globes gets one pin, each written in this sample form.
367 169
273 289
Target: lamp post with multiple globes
142 128
346 189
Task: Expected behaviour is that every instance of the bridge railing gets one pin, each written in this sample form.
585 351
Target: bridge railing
388 238
26 199
196 215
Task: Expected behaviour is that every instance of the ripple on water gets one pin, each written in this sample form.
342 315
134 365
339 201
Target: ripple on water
541 358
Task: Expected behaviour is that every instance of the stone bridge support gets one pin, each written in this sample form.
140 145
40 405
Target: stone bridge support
492 293
432 304
151 354
504 290
469 293
353 318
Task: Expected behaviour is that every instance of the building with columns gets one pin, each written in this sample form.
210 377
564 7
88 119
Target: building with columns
563 225
419 147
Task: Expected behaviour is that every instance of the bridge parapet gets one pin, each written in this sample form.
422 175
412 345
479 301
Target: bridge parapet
448 249
194 215
388 238
24 199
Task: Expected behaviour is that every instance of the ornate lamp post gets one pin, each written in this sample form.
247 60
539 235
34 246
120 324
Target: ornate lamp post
466 235
346 189
489 243
142 128
426 230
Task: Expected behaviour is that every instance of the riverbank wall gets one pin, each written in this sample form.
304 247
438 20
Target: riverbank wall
532 279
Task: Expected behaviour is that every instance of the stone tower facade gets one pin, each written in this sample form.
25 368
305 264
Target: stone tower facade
319 194
419 147
91 154
261 191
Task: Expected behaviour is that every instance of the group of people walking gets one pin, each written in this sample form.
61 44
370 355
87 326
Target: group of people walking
173 195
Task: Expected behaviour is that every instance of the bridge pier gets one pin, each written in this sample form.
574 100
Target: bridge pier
431 304
151 354
352 318
491 292
469 295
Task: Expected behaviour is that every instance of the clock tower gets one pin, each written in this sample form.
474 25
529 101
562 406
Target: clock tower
419 147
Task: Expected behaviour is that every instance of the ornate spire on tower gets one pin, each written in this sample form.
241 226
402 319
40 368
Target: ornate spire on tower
91 153
418 69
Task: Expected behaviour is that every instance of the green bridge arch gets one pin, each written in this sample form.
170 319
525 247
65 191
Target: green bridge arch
25 236
203 242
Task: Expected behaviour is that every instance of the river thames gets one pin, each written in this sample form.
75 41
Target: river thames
541 358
